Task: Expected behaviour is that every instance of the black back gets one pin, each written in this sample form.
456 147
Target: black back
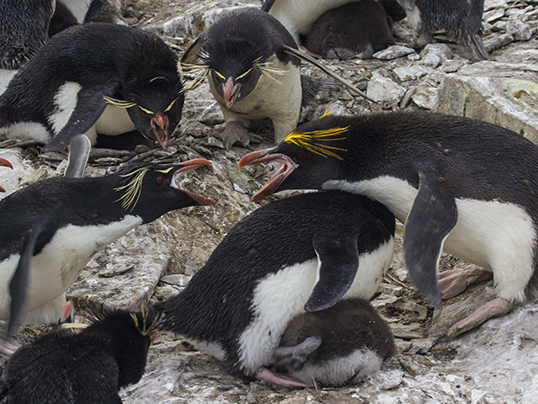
99 54
216 305
67 368
24 26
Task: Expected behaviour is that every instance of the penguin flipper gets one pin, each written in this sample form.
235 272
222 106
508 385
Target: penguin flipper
432 217
90 105
192 54
18 286
79 151
408 5
326 70
339 256
267 4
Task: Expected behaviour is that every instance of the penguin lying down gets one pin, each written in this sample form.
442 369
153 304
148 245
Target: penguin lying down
56 225
64 367
460 185
296 255
253 68
333 347
91 79
4 163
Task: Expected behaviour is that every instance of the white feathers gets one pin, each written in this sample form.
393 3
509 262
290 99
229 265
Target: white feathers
495 235
65 101
58 265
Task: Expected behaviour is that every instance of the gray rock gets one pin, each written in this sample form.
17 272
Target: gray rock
384 90
181 26
413 72
434 54
393 52
491 4
426 97
519 30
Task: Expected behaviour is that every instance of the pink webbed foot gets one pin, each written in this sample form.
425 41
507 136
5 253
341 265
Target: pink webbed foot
495 308
7 348
267 375
233 132
455 281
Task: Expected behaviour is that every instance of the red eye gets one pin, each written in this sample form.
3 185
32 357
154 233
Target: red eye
143 114
160 180
247 77
172 109
300 157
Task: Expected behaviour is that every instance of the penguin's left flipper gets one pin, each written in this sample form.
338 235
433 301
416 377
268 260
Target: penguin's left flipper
408 5
432 217
338 253
292 358
18 286
326 70
90 105
79 151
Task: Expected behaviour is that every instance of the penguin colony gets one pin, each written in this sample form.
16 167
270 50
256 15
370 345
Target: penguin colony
280 317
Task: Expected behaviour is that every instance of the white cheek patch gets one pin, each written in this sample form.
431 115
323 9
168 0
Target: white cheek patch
65 101
58 265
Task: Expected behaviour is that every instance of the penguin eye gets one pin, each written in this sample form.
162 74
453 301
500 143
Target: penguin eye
143 114
247 77
300 157
160 180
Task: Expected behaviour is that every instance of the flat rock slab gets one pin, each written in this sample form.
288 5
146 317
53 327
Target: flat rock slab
500 93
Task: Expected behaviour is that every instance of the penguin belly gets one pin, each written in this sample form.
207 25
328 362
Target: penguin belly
498 236
281 296
59 263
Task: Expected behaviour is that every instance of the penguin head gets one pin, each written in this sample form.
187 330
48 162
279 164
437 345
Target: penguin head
5 163
235 65
156 105
310 155
129 335
150 191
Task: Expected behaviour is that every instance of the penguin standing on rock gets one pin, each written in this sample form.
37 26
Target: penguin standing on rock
460 18
253 69
335 346
95 78
56 225
460 185
63 367
296 255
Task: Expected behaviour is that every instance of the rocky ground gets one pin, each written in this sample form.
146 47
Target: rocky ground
497 363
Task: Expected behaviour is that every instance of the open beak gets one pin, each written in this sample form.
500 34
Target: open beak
5 163
188 166
159 125
263 156
231 92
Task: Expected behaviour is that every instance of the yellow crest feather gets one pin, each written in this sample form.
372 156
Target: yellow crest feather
267 69
146 328
119 103
132 189
311 141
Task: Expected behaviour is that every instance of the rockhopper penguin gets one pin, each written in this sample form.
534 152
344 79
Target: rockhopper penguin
460 185
253 69
336 346
58 224
64 367
95 78
296 255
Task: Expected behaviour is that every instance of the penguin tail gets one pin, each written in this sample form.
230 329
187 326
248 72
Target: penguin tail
473 43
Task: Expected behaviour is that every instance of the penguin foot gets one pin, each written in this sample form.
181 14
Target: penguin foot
455 281
233 132
495 308
7 348
266 375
